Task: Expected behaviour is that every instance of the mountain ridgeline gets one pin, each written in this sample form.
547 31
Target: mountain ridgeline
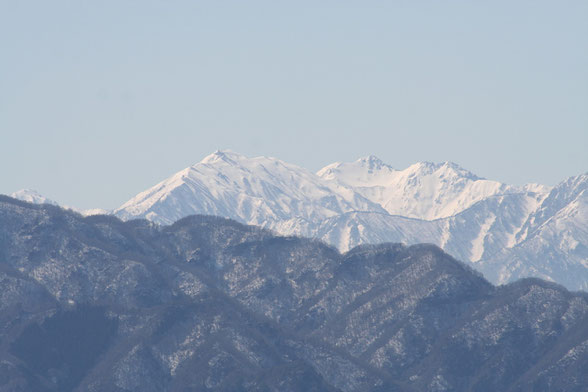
507 232
209 304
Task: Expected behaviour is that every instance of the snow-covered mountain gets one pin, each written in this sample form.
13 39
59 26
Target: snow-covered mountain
424 190
505 231
32 196
552 243
261 191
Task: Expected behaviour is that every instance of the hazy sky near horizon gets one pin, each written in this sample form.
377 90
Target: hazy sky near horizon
100 100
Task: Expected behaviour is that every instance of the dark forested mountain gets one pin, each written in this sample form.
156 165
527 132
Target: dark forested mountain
97 304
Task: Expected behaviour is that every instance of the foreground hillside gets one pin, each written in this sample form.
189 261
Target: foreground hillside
97 304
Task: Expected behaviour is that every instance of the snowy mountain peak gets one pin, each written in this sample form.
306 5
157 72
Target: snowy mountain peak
443 169
227 156
424 190
261 190
576 183
31 196
367 171
368 201
372 162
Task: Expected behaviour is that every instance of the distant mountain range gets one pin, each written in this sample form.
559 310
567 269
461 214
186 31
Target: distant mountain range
507 232
32 196
208 304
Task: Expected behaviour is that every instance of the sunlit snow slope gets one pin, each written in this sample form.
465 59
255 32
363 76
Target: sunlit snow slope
506 231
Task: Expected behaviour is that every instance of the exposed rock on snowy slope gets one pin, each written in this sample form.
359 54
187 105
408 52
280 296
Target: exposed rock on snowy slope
553 242
499 228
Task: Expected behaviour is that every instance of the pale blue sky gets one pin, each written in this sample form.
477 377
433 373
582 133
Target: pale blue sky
101 99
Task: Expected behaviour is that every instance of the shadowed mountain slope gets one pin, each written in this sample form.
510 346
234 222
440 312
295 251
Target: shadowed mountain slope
97 304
